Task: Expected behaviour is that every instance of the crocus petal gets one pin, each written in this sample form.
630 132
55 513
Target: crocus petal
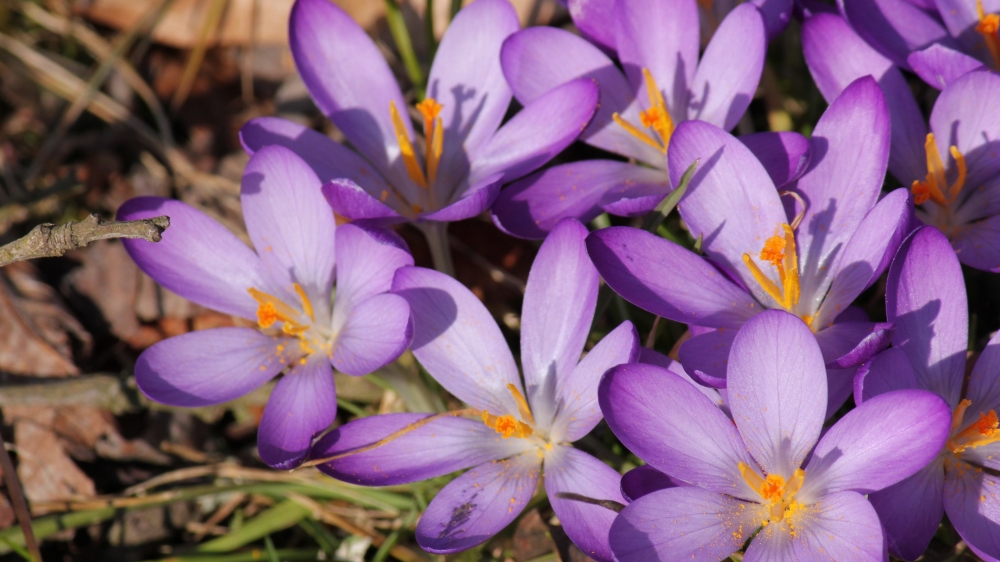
434 449
839 386
785 155
576 390
777 14
967 115
663 38
730 202
894 27
209 367
867 254
849 344
886 439
666 279
538 132
591 17
730 69
352 202
330 160
777 398
644 480
570 470
538 59
558 308
351 83
457 341
939 66
478 504
197 258
911 510
684 523
850 152
672 426
374 333
471 202
367 260
466 78
834 69
973 507
925 298
706 356
302 404
984 384
653 357
977 244
289 222
887 371
844 526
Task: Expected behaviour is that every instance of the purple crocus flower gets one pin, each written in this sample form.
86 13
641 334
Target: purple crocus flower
767 471
513 435
284 288
951 169
456 170
663 84
925 297
811 254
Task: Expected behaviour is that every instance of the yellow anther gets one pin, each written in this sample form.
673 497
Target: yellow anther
983 431
637 132
436 147
522 404
988 26
507 426
656 117
306 305
935 185
780 251
271 309
774 490
406 148
266 315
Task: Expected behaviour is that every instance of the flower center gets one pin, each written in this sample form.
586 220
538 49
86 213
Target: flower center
430 109
981 432
297 323
656 118
506 425
775 491
779 251
935 187
988 26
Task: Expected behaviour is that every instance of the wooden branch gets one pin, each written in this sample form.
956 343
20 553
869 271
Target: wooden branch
49 240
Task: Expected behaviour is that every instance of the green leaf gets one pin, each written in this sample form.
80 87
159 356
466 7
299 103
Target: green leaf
655 218
277 518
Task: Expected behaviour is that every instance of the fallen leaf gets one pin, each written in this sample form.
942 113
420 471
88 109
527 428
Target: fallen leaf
46 471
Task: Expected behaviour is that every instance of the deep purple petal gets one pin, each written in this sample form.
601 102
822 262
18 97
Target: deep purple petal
570 470
434 449
778 399
476 505
644 480
457 341
849 344
209 367
675 428
666 279
883 441
978 244
591 17
730 202
197 258
473 201
785 155
973 507
894 27
375 332
967 115
349 200
684 523
289 223
538 132
839 386
777 14
706 356
557 311
730 69
984 384
578 409
850 148
887 371
911 510
653 357
939 66
302 404
925 298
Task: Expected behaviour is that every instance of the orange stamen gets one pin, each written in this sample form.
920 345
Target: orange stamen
506 425
413 168
988 26
656 117
983 431
774 490
935 185
779 250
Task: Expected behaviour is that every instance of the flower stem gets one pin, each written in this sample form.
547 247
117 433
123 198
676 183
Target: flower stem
436 234
401 35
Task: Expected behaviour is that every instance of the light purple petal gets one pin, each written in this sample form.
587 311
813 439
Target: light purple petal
925 298
302 404
867 254
883 441
467 80
785 155
367 260
706 356
672 426
960 18
374 333
591 17
557 311
210 367
457 341
653 357
684 523
972 505
473 201
911 511
350 201
939 66
570 470
887 371
197 258
967 115
538 132
644 480
666 279
839 385
578 410
730 69
850 152
843 526
778 398
289 223
834 69
894 27
663 38
434 449
478 504
730 202
978 244
849 344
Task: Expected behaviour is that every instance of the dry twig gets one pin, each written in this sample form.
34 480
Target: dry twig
49 240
